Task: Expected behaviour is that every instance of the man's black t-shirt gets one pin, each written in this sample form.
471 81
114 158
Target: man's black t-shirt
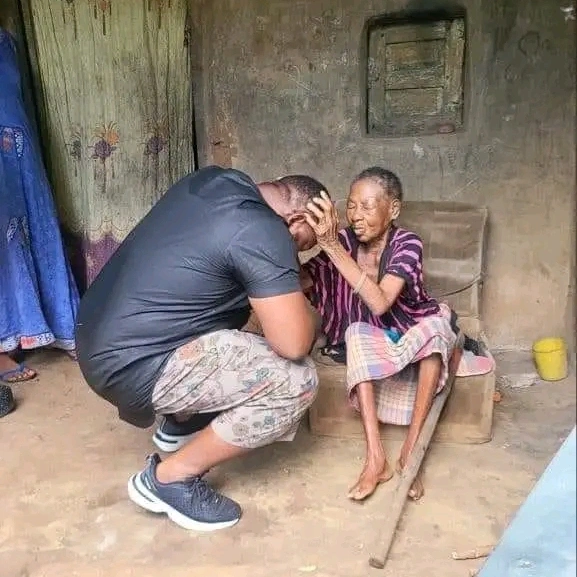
185 270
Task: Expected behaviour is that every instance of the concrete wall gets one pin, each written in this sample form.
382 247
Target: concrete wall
278 90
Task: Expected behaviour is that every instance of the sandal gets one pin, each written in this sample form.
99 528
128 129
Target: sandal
7 403
18 375
337 353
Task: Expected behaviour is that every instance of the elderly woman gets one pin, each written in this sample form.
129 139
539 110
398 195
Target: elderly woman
367 285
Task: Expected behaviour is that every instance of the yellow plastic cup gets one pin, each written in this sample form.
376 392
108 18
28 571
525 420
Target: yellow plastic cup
550 356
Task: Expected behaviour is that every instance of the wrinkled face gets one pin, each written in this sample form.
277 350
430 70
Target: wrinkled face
301 232
370 210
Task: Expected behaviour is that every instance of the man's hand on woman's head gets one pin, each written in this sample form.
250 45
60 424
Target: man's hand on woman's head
323 218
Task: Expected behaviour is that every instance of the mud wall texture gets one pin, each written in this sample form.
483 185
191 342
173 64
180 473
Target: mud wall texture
280 87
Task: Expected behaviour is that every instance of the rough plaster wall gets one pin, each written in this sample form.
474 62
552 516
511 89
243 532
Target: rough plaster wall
278 90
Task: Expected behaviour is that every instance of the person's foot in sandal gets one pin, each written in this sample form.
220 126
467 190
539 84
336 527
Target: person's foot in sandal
70 353
7 403
12 372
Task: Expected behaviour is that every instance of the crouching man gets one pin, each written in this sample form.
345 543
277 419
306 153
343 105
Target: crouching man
158 333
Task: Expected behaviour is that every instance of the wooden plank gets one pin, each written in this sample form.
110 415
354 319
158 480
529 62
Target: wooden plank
418 124
407 103
416 32
411 470
415 65
376 75
454 63
467 417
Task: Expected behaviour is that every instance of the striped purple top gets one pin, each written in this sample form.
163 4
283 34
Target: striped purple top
333 297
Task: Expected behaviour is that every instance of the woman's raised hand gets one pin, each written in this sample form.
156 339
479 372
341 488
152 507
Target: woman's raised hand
323 218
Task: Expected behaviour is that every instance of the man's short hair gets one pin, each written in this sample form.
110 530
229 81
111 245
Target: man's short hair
387 180
303 187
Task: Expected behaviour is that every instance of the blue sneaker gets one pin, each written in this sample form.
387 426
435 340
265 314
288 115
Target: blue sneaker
171 434
192 504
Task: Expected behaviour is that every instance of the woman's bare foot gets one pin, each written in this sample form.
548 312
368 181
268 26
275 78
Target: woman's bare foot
12 372
417 489
375 471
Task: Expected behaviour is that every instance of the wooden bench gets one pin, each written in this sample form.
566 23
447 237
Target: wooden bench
453 236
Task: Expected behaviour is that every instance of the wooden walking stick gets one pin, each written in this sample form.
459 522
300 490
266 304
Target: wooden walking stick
409 473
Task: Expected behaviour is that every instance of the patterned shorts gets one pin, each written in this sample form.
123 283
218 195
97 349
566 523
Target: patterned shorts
260 396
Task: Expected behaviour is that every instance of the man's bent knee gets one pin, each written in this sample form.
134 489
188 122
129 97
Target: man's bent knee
275 414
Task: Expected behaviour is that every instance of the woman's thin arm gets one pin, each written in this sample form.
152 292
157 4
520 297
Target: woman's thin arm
324 220
378 297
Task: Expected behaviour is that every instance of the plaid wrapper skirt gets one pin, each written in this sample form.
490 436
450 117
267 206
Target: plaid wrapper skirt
393 368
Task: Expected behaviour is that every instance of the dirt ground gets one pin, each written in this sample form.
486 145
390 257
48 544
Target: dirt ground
65 513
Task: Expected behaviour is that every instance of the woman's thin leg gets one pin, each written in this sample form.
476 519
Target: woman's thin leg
429 374
376 469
